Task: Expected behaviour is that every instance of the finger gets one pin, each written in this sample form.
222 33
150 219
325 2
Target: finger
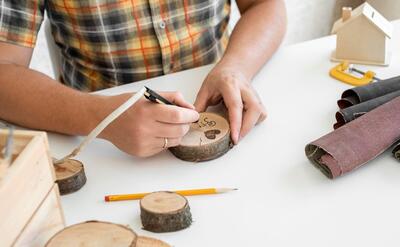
233 101
163 142
263 114
174 114
201 102
170 130
252 112
177 99
159 144
150 153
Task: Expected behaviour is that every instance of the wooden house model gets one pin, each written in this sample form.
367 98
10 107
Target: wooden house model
362 36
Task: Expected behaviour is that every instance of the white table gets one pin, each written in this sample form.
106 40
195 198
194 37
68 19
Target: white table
282 199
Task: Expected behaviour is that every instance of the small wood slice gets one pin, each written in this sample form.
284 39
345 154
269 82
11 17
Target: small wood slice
207 139
165 212
150 242
70 176
94 234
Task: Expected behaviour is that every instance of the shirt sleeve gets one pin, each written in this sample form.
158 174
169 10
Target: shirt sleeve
20 21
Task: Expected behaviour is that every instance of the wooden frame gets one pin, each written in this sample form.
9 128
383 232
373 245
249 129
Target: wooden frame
47 221
26 184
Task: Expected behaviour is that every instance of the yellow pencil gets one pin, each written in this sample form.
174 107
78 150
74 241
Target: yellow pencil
194 192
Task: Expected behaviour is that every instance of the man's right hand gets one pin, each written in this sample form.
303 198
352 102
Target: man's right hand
142 129
33 100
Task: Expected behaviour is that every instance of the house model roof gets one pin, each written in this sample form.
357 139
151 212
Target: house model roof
374 17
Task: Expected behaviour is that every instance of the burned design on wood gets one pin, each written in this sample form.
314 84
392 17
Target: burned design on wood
207 139
212 134
205 122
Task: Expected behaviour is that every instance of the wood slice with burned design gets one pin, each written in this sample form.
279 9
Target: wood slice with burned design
70 176
165 212
207 139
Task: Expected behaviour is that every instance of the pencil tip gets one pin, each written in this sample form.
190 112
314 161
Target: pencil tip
224 190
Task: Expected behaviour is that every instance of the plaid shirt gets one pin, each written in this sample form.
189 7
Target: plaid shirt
106 43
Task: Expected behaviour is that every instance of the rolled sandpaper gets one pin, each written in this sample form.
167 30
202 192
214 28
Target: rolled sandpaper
347 102
371 91
357 142
396 151
349 114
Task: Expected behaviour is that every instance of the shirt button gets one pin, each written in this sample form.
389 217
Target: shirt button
162 24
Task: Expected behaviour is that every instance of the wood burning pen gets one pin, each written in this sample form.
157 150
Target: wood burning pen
156 98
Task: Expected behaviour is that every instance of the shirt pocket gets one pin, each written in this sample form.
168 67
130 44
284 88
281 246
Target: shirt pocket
207 12
95 27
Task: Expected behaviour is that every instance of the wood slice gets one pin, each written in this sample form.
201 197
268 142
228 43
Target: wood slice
150 242
165 212
94 234
70 176
207 139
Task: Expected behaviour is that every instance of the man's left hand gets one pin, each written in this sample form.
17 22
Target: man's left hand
244 106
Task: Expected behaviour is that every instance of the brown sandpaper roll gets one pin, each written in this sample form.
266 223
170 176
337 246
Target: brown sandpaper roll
357 142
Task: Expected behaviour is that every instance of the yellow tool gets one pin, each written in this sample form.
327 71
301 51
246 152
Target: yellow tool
342 72
194 192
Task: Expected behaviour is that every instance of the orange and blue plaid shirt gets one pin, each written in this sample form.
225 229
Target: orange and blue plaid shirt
106 43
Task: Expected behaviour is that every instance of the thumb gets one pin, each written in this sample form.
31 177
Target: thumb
201 102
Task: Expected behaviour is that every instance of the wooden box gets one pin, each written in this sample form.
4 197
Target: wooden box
30 209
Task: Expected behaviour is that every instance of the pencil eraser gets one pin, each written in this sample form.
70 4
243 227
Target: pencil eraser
106 198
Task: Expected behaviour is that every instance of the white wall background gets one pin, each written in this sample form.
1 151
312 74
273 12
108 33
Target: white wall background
307 19
310 19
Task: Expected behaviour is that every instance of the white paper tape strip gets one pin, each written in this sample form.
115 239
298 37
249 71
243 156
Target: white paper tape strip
103 124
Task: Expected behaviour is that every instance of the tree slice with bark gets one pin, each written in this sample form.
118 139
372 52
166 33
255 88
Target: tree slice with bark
150 242
70 176
101 234
207 139
165 211
94 234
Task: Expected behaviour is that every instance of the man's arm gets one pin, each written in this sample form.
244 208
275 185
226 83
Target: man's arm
31 99
255 38
34 100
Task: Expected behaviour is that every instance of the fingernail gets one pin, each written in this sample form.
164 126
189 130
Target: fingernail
236 141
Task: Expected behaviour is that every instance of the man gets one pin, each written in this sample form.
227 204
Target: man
105 43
